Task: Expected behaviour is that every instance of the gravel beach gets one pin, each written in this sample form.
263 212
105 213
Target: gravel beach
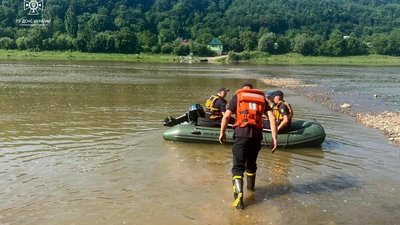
388 122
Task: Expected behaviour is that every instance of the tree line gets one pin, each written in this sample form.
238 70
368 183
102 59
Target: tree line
308 27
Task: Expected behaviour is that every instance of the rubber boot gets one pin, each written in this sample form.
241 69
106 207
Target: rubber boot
251 181
238 192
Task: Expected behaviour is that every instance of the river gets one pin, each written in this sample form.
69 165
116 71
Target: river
81 143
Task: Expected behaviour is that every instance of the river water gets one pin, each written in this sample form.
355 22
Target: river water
81 143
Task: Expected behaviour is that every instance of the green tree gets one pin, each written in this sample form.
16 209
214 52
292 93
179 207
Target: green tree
304 44
71 22
204 38
126 41
7 16
319 44
282 45
99 23
8 32
182 50
166 36
64 42
267 43
232 21
336 45
394 43
249 40
20 42
167 48
34 40
147 40
231 44
355 46
98 43
80 43
201 50
57 25
85 34
7 43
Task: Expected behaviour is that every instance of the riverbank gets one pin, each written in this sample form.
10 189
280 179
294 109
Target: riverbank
388 122
85 56
297 59
287 59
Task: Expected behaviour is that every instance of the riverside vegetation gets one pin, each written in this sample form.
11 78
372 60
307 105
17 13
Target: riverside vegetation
254 58
309 28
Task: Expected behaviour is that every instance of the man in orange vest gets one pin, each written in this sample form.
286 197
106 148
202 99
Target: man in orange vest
249 105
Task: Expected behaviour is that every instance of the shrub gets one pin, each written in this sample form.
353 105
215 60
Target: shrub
7 43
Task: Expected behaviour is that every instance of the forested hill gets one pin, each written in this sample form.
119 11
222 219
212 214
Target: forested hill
311 27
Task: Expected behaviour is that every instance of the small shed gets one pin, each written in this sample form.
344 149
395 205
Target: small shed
216 46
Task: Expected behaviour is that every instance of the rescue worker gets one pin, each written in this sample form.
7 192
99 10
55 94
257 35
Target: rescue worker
249 105
283 112
216 105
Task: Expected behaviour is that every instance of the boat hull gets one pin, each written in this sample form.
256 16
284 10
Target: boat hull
304 133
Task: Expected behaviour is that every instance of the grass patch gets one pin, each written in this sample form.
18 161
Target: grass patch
257 58
297 59
84 56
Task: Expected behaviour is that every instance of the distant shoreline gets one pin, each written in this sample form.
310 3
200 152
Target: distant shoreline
287 59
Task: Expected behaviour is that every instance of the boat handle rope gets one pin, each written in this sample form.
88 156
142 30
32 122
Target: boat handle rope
266 142
287 142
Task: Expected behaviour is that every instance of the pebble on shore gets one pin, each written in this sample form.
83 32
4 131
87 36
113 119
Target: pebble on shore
345 105
389 122
285 82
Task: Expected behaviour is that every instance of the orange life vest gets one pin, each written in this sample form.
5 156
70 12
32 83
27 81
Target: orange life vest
250 108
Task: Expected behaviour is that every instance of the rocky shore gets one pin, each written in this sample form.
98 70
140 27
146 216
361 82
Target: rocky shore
285 82
388 122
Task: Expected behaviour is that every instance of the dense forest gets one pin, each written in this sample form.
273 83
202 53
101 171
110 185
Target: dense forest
308 27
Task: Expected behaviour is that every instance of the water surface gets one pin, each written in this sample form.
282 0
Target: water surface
81 143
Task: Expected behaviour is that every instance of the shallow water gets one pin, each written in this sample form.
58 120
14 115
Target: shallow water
366 89
81 143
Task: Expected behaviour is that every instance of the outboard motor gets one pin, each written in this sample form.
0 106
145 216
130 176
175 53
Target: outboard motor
195 111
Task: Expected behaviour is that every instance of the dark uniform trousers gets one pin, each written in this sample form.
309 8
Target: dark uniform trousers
245 151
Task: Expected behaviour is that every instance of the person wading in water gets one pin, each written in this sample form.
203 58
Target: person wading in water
249 105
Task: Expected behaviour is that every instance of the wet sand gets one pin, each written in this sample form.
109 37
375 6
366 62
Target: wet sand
388 122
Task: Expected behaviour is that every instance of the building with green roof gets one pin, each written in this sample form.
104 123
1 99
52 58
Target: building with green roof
216 46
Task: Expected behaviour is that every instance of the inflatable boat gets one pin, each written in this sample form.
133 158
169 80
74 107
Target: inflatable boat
188 128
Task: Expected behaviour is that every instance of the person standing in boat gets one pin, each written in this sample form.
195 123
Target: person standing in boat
249 105
283 112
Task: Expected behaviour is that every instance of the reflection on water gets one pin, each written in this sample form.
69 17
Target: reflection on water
82 144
